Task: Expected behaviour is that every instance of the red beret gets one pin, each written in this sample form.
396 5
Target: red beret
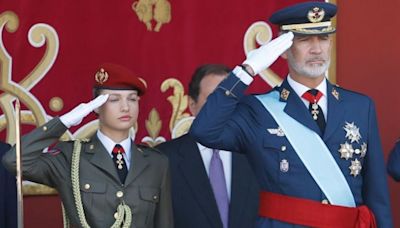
113 76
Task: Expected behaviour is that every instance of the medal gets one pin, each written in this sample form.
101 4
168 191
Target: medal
355 167
352 132
119 161
346 151
314 111
276 131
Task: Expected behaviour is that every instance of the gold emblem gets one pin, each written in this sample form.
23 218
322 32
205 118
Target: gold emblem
285 94
161 13
355 168
316 14
335 93
101 76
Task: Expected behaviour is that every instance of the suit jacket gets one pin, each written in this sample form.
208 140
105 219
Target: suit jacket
146 189
232 121
193 200
393 166
8 197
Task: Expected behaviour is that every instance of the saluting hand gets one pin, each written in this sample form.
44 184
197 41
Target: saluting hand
263 57
75 116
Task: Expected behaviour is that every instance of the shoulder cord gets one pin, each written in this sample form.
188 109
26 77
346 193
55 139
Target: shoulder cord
123 211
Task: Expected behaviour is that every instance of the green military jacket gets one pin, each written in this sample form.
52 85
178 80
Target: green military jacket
146 189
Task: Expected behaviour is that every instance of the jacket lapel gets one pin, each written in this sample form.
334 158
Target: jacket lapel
193 170
101 158
296 108
138 163
335 114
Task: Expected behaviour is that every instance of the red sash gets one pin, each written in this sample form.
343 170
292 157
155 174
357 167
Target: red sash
314 214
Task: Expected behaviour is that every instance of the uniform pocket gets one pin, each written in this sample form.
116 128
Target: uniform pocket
94 197
149 199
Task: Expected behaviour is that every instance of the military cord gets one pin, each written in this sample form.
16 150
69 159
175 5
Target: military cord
124 213
65 218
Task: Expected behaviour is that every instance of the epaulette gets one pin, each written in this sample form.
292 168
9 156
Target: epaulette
143 147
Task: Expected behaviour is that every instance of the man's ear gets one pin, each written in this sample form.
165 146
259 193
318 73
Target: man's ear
192 106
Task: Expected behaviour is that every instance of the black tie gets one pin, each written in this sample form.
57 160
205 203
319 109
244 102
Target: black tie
119 162
313 97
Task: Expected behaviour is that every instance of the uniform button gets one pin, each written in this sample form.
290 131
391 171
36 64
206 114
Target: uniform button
91 147
116 215
227 92
44 128
87 186
120 194
155 197
325 201
283 148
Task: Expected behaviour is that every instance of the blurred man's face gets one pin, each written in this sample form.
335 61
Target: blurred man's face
207 86
309 56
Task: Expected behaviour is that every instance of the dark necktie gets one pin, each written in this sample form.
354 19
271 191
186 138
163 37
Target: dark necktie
313 97
119 162
218 184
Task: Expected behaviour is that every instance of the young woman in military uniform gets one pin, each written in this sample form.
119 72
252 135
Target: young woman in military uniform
105 181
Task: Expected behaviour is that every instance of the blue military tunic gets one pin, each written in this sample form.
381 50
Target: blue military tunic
393 166
235 122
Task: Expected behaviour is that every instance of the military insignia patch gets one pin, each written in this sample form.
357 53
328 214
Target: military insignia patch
355 168
101 76
276 131
335 93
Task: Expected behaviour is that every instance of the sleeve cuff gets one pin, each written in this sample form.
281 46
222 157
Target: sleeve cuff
242 75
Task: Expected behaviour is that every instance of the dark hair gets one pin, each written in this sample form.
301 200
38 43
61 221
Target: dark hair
200 73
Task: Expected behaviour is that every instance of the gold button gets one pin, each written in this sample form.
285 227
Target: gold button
227 92
283 148
87 186
155 197
325 201
116 215
44 128
120 194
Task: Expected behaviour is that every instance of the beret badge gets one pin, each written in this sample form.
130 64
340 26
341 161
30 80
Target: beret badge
101 76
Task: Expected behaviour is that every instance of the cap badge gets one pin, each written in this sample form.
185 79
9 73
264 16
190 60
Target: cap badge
285 94
316 14
101 76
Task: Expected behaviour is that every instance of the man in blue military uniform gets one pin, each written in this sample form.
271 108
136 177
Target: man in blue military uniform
393 166
314 147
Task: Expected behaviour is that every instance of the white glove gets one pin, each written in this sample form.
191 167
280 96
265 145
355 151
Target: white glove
75 116
261 58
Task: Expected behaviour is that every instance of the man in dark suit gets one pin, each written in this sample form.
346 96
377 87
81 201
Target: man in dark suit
8 191
194 197
314 147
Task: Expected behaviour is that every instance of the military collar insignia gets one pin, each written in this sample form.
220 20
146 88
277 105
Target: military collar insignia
285 94
101 76
316 14
335 93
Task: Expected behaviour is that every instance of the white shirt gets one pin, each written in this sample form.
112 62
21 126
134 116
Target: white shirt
300 89
109 144
226 157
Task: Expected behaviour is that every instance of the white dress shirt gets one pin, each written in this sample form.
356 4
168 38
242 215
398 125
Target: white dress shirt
226 157
300 89
109 144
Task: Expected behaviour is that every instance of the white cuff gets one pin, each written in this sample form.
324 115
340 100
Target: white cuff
242 75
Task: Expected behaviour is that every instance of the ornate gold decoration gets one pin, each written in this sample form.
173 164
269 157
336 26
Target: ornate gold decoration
37 189
316 14
178 100
153 127
182 127
56 104
101 76
144 11
260 33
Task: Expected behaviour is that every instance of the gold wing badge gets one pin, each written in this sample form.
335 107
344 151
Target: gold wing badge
161 13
